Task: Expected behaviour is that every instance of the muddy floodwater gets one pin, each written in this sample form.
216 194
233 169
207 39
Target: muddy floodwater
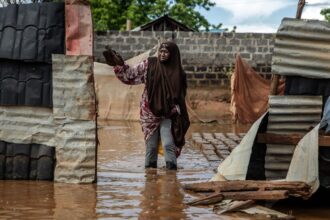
124 189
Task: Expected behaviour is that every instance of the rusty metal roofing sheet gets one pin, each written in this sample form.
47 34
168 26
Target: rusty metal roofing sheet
24 83
302 48
288 114
293 114
32 32
78 29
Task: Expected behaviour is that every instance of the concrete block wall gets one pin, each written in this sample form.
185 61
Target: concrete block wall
208 58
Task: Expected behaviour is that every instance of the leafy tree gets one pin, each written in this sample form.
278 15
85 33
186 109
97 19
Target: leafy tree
4 3
326 13
112 14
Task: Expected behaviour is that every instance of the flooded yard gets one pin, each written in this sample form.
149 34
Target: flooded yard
124 189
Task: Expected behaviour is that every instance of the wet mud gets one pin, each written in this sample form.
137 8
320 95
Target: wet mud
125 190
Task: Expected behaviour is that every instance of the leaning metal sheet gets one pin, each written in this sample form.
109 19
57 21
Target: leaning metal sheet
74 116
302 48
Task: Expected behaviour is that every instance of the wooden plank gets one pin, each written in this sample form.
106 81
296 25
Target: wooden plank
257 195
294 187
241 196
291 139
208 200
274 84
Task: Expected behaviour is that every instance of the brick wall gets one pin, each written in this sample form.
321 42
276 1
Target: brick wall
207 58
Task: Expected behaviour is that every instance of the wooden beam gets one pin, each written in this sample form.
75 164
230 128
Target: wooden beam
256 195
294 188
292 139
208 200
242 196
274 84
300 7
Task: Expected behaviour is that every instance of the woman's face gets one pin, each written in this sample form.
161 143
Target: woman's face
163 54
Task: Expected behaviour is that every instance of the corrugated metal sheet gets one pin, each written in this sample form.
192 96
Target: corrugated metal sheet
26 161
78 29
25 83
76 73
27 125
32 32
293 114
74 115
302 48
289 114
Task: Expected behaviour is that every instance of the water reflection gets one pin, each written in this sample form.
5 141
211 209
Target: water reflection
161 196
74 201
46 200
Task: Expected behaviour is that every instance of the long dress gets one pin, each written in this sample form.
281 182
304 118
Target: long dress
134 75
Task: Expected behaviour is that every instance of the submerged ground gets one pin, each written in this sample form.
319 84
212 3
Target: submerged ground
124 189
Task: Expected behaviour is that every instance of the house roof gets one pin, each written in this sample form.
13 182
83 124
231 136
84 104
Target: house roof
164 23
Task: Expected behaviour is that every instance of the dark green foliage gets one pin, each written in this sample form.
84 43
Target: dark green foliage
326 13
112 15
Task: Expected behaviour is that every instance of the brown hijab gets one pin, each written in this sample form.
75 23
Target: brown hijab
166 86
166 81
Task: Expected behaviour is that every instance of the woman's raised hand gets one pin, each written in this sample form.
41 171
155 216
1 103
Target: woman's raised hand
112 57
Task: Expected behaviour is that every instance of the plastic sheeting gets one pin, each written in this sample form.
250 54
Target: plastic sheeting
235 166
249 93
305 164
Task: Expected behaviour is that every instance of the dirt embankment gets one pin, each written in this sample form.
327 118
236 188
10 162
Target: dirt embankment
209 104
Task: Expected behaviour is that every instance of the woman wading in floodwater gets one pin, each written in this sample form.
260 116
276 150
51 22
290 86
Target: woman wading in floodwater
163 112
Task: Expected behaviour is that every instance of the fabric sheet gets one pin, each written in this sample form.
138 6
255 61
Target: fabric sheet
250 92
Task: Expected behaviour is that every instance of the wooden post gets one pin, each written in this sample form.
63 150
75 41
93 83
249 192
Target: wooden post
301 5
128 25
274 84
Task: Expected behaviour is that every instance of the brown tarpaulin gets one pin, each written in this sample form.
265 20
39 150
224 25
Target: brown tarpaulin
250 92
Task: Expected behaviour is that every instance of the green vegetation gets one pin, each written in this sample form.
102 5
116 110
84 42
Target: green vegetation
326 13
112 15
